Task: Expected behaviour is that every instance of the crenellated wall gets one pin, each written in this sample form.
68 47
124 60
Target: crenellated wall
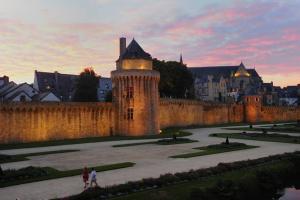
28 122
179 112
279 113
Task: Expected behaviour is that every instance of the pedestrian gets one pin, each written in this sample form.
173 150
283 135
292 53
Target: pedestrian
85 177
94 177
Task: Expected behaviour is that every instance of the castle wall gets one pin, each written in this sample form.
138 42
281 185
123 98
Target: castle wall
175 112
279 113
28 122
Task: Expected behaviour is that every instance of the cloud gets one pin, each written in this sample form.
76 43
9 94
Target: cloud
262 33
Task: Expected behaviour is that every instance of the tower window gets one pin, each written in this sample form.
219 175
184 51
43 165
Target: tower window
129 92
130 114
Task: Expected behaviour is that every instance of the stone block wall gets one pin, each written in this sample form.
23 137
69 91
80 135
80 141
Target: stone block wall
176 112
29 122
279 113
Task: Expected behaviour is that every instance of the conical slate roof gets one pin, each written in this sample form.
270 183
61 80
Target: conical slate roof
135 51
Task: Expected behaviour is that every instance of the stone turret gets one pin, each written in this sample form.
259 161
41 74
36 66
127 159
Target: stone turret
252 108
135 92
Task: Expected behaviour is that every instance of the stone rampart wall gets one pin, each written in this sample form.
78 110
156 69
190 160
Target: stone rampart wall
28 122
279 113
176 112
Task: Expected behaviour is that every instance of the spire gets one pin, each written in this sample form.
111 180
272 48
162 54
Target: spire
181 61
242 64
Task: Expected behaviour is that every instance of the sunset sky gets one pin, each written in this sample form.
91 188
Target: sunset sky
68 35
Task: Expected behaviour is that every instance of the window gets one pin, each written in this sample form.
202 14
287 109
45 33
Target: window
129 92
130 114
22 98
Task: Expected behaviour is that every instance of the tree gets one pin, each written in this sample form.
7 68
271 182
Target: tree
176 80
86 87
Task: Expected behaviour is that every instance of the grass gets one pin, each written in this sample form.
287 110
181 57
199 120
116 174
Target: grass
183 190
260 137
167 133
286 128
215 149
52 173
22 157
159 142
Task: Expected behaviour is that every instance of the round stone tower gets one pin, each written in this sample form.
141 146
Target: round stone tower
135 92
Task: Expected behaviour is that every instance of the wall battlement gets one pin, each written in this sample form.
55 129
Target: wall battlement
28 122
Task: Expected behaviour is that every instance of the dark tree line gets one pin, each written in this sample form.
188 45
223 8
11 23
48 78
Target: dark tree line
176 80
86 87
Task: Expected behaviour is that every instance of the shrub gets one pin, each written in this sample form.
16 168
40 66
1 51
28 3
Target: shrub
221 190
23 173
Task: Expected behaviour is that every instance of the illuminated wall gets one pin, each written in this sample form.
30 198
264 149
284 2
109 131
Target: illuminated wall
136 64
136 102
176 112
28 122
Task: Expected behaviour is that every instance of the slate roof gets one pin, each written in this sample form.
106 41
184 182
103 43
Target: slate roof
16 94
218 71
61 85
135 51
41 96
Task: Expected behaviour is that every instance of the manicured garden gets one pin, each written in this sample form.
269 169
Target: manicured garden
33 174
159 142
215 149
261 178
22 157
268 137
285 128
166 133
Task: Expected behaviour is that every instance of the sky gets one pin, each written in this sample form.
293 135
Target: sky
69 35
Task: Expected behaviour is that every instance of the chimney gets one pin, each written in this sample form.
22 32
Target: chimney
122 45
6 79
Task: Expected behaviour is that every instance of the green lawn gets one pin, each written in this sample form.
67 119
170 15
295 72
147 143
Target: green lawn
215 149
21 157
167 133
159 142
286 128
261 137
16 177
245 177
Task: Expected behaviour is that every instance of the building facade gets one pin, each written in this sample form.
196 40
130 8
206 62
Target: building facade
225 83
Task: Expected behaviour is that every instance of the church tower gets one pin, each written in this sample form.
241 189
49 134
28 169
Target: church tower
135 92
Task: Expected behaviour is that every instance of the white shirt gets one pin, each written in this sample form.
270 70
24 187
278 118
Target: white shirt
93 175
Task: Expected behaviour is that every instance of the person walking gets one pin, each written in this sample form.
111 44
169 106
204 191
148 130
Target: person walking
94 178
85 177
